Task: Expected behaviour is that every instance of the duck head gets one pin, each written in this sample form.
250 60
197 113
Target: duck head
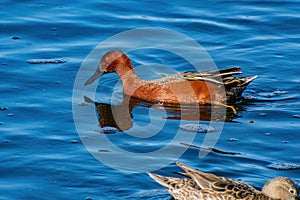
112 61
281 188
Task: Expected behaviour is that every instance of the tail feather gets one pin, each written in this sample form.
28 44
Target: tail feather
248 80
239 82
224 76
164 181
223 71
203 180
228 70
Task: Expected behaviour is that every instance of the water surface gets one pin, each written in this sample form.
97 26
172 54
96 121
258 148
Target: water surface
42 154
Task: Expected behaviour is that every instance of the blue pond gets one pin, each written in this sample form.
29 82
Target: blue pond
48 152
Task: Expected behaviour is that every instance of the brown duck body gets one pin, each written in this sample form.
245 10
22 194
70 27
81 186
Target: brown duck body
205 186
183 88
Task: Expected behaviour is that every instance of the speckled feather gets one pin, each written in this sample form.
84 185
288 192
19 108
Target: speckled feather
206 186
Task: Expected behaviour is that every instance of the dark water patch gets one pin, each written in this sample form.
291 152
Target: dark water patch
214 150
3 108
16 37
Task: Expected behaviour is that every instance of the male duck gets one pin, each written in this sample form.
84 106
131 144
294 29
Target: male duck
186 88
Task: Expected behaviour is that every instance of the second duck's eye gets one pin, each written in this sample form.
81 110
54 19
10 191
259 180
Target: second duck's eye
292 191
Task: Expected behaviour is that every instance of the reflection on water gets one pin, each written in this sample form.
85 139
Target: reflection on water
120 116
211 149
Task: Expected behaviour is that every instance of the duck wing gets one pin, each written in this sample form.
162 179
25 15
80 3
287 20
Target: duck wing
236 189
225 76
219 77
203 179
211 184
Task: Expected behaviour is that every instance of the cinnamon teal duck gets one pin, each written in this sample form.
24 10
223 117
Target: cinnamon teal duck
186 88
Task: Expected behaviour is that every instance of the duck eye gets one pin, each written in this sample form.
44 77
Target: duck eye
292 191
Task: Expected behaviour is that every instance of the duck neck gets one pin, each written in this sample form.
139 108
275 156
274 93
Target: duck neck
129 78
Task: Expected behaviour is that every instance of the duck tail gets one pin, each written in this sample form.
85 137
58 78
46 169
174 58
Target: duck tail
164 181
238 82
202 179
248 80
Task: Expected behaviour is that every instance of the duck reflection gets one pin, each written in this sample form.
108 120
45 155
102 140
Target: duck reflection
120 116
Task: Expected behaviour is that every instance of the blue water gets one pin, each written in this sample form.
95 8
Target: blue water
44 157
